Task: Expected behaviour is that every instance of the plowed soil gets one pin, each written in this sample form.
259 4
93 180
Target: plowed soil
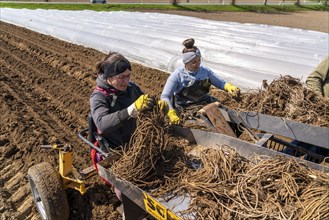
45 85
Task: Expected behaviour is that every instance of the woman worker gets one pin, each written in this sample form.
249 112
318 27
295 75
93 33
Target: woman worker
115 103
190 84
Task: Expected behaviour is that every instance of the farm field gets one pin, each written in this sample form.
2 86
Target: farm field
45 85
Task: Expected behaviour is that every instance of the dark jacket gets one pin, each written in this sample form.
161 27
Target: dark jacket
109 111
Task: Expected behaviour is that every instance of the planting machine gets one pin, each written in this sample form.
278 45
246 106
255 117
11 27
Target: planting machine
271 136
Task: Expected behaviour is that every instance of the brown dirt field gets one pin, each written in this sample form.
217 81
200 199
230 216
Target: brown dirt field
45 84
308 20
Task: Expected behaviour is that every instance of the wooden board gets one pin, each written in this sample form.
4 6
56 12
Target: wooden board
217 119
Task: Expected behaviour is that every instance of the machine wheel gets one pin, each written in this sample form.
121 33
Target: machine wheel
48 192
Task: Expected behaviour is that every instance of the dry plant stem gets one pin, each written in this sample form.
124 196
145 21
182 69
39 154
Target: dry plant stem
149 152
221 183
315 199
287 97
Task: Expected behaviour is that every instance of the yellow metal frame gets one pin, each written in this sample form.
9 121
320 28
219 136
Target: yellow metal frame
67 171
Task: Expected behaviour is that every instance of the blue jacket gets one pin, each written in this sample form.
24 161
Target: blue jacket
190 88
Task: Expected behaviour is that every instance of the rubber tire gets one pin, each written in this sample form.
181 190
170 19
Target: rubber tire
48 192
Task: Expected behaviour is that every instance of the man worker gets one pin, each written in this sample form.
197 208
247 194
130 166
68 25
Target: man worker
318 80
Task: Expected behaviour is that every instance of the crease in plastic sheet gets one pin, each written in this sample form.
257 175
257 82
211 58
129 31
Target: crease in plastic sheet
244 54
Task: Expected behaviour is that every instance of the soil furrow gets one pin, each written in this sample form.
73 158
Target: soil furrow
49 125
46 43
49 91
58 61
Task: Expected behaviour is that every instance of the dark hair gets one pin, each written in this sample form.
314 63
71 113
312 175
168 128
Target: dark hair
113 64
189 46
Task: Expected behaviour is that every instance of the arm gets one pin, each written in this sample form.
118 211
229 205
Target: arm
315 81
221 84
168 91
170 88
105 120
215 79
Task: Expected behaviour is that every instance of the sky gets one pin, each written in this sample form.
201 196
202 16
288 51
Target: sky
244 54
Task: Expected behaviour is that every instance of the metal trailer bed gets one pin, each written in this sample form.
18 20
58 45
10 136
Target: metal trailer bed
138 204
276 133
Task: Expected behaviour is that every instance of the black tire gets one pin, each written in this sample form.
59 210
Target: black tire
48 192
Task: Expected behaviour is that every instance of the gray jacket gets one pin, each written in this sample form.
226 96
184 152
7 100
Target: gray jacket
109 111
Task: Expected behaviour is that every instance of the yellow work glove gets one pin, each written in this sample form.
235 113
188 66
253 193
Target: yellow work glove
163 105
144 102
233 90
174 119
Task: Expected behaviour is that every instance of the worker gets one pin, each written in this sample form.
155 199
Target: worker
318 80
190 84
116 102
